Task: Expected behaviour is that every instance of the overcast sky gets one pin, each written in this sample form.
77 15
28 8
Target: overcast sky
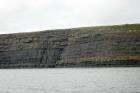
34 15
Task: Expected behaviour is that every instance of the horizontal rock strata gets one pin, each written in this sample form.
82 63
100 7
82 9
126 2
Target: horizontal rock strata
117 45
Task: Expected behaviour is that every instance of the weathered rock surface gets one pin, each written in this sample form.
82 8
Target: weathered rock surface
89 46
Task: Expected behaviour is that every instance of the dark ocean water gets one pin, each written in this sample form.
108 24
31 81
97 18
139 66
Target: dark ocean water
71 80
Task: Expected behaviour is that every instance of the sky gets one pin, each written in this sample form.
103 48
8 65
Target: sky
36 15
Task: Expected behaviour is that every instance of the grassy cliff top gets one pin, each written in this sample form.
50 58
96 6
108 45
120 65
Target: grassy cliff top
112 28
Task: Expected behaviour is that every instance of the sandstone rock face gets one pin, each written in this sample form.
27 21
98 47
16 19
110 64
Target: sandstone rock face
90 46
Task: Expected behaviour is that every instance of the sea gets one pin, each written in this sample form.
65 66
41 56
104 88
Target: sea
71 80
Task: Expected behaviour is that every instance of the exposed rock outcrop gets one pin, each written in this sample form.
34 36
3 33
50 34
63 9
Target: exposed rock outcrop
117 45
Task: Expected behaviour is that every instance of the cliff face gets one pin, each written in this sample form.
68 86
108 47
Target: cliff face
89 46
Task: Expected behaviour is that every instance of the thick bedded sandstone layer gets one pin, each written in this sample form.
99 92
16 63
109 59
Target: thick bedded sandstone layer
117 45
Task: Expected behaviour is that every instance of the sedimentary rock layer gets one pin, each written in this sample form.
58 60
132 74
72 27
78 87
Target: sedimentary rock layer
117 45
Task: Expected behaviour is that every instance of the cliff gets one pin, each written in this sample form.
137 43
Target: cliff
117 45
